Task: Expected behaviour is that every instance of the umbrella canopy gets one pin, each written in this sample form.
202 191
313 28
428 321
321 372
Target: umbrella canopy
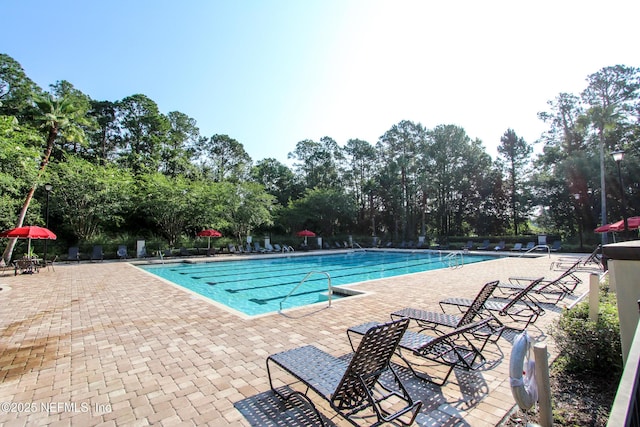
603 228
306 233
632 224
210 232
29 232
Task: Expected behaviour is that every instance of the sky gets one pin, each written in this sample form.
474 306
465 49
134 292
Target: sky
271 73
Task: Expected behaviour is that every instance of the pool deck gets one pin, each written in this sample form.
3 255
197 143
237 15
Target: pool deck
108 344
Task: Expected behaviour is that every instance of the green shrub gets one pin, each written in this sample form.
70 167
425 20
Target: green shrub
587 346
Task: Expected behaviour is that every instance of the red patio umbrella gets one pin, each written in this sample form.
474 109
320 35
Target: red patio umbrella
306 233
603 228
29 232
633 223
210 232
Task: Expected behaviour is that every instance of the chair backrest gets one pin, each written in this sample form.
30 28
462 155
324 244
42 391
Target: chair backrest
122 251
369 361
477 305
74 253
521 295
97 252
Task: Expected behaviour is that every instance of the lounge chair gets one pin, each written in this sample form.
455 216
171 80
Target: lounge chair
468 245
520 307
555 289
556 246
500 247
484 246
593 260
74 254
258 249
350 384
96 253
455 349
435 320
184 252
122 251
517 247
530 245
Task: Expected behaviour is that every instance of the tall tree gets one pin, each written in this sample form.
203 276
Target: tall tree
225 159
17 91
61 119
317 163
277 179
612 94
144 131
181 145
516 153
400 149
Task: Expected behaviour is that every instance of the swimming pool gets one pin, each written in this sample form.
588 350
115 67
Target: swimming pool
257 286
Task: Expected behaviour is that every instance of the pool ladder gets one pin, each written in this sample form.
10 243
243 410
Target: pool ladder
329 288
455 259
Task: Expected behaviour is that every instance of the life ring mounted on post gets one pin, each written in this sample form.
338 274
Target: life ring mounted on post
522 379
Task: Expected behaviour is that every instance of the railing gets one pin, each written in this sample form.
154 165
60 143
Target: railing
455 259
330 289
537 247
626 406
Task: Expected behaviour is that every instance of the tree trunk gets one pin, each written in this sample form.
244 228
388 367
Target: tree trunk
53 133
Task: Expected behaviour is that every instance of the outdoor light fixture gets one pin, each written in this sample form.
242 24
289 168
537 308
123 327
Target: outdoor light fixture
618 155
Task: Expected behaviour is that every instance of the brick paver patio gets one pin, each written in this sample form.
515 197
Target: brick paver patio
108 344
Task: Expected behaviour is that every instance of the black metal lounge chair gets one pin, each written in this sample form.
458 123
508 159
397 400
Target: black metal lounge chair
592 261
484 246
74 254
458 348
96 253
350 385
553 290
476 311
520 307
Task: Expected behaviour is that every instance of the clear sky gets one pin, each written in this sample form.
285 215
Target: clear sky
270 73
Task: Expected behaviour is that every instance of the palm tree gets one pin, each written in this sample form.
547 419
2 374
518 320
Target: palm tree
60 118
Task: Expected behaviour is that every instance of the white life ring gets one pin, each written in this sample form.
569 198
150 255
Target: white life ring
523 388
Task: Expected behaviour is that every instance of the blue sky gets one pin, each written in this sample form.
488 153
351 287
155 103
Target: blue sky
271 73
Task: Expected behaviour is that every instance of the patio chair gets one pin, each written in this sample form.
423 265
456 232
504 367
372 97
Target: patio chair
49 263
517 247
454 349
484 246
530 245
435 320
74 254
593 260
4 267
96 253
468 245
554 290
556 246
500 247
350 384
122 251
520 307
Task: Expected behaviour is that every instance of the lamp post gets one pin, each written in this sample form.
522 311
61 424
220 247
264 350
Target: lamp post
618 155
579 214
48 187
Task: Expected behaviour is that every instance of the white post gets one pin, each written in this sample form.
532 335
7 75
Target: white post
544 386
594 296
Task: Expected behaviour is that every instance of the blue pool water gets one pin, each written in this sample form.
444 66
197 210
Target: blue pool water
257 286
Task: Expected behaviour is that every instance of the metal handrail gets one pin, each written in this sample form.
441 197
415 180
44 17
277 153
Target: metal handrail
536 247
330 289
452 258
